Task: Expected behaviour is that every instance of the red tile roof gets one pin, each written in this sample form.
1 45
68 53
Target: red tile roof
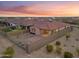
50 25
39 23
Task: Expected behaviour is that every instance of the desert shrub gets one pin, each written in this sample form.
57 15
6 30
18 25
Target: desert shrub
64 45
49 48
8 53
58 50
68 55
58 43
67 36
73 46
77 39
77 50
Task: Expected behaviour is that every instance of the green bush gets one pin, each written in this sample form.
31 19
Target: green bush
8 53
58 43
23 27
68 55
49 48
13 27
7 29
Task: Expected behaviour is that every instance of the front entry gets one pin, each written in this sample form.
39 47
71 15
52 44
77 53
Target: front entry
28 28
32 30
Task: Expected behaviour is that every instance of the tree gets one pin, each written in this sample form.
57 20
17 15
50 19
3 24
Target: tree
68 55
49 48
8 53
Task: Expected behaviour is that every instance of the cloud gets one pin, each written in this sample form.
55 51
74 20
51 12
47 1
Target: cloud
43 9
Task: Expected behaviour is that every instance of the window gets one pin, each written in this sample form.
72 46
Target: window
57 30
45 33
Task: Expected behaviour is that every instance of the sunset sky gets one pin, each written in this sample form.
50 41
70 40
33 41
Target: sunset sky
39 8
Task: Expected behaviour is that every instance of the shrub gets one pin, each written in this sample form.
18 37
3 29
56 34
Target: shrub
58 43
77 39
73 46
68 55
58 50
8 53
67 36
18 27
49 48
64 45
23 27
7 29
77 50
13 27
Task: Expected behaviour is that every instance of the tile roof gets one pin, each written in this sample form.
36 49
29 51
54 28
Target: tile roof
39 23
50 25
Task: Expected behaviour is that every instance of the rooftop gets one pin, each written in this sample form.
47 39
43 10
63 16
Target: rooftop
40 23
50 25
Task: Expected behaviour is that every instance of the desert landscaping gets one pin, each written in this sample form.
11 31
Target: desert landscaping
69 45
66 46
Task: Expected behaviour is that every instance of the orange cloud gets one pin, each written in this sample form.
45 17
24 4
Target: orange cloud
43 9
55 10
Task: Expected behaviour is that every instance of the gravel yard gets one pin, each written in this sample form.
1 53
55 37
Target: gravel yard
67 45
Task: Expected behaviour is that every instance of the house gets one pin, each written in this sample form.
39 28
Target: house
46 32
35 26
46 28
42 31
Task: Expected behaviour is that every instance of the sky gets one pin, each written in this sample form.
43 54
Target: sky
39 8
